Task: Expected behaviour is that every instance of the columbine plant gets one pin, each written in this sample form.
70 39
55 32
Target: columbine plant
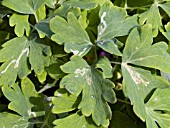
84 64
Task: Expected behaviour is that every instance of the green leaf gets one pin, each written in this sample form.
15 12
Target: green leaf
41 52
85 4
44 27
81 4
8 120
20 99
75 40
41 13
105 65
166 76
139 50
167 33
24 6
114 22
76 120
54 69
51 3
21 24
153 17
137 85
96 91
64 101
158 102
14 55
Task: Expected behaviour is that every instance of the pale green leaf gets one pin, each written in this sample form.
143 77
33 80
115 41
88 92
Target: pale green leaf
24 6
153 17
21 24
18 53
8 120
139 50
105 65
42 77
85 4
20 99
76 120
167 33
76 40
160 101
137 85
96 91
114 22
41 52
14 55
41 13
165 76
64 101
51 3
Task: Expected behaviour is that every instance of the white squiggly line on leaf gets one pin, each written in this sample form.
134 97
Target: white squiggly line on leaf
80 72
103 28
76 52
26 50
136 76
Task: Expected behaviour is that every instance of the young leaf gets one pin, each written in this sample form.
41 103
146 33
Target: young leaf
139 50
76 120
24 6
113 23
158 102
21 24
96 91
14 55
71 33
64 101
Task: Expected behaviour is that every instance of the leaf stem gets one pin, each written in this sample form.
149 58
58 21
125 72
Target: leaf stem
95 52
113 62
123 101
45 122
36 18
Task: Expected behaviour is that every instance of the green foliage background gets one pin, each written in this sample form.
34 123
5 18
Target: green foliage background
84 64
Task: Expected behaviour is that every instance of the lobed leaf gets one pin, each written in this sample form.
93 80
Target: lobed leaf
71 34
96 91
76 120
24 6
158 103
114 22
139 50
21 24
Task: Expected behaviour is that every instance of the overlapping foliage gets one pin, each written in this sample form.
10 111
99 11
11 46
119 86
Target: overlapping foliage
84 64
